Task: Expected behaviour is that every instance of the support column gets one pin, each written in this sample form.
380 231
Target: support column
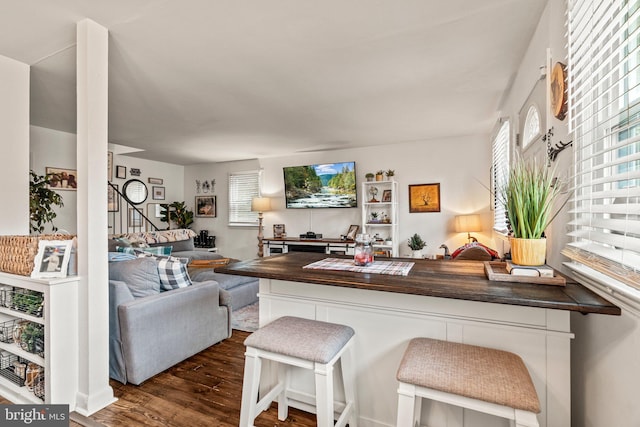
94 392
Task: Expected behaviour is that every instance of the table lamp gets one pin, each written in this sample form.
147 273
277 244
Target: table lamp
468 224
260 205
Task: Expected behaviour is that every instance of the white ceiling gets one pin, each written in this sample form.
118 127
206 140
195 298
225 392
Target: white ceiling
197 81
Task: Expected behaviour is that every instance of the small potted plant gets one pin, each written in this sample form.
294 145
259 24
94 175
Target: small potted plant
374 218
390 174
380 175
416 244
369 176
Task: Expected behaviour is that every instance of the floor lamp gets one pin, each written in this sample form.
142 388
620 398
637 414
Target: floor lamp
260 205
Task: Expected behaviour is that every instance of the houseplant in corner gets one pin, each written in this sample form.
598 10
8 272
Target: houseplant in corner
416 244
528 197
42 201
178 213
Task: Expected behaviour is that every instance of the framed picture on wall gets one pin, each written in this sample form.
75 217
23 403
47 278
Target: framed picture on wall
121 172
157 193
135 218
62 179
206 206
424 198
110 165
113 200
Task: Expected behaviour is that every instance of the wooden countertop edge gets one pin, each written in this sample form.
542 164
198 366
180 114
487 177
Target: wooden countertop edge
249 268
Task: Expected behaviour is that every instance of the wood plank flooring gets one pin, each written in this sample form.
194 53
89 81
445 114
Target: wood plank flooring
204 390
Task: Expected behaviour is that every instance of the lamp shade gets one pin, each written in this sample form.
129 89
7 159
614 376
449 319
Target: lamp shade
468 223
261 204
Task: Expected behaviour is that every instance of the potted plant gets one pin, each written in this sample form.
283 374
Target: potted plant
390 174
416 244
528 197
369 176
374 218
42 201
380 175
178 213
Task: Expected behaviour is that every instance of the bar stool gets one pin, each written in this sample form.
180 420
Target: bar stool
309 344
482 379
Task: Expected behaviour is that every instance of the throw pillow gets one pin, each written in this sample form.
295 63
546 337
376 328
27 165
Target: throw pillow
156 250
140 275
173 274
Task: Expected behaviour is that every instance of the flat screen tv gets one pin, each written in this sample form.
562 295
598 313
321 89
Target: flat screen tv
328 185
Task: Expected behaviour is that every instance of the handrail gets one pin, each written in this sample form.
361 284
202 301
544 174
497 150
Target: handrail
124 215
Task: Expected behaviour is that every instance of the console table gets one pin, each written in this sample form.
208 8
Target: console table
274 246
450 300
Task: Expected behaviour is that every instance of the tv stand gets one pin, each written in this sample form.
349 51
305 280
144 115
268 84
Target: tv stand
273 246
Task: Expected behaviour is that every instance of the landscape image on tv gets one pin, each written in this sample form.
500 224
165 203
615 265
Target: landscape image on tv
329 185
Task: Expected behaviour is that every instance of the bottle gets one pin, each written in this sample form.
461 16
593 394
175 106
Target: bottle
363 254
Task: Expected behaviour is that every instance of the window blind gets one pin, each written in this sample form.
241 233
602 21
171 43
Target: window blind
243 187
499 176
604 82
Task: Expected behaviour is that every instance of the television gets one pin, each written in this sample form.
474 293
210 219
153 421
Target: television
327 185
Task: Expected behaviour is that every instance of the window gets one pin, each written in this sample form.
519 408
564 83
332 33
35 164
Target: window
243 187
604 58
499 176
531 126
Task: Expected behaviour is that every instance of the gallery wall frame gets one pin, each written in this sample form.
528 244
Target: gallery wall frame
113 200
157 193
62 179
205 206
424 198
121 172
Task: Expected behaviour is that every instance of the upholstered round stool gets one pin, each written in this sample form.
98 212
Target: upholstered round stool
304 343
492 381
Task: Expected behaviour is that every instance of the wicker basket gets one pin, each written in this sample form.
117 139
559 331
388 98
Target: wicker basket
17 253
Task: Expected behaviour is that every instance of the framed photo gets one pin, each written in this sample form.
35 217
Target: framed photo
386 196
62 179
154 210
278 230
424 198
353 230
158 181
110 165
135 218
121 172
206 206
52 259
113 199
157 193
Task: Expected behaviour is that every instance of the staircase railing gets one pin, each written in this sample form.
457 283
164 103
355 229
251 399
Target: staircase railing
124 216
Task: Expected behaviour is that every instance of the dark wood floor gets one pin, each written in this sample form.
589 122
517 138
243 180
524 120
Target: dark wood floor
204 390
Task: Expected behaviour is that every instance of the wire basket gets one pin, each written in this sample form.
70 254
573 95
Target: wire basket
27 301
6 330
13 368
30 337
39 386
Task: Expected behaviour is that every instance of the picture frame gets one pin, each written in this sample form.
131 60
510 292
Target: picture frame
351 233
134 218
113 200
424 198
278 231
386 196
154 210
205 206
62 179
157 193
52 259
110 165
157 181
121 172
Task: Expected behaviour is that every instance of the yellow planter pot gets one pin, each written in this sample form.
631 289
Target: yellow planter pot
528 251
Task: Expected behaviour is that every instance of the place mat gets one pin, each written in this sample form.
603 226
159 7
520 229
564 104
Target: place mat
394 268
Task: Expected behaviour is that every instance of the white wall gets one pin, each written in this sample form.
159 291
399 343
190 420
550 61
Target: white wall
52 148
463 179
605 370
14 140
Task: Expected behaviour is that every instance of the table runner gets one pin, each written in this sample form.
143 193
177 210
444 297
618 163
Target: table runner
394 268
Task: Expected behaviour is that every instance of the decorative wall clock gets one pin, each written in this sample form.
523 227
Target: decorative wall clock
559 91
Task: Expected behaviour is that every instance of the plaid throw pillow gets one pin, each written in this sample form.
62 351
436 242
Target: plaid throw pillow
154 250
173 274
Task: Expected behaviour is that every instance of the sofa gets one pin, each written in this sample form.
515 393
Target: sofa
151 330
242 290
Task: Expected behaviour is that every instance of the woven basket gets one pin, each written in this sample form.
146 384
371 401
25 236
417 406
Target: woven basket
17 253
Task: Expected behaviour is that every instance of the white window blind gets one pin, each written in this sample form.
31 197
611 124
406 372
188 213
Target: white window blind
500 174
243 187
604 81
